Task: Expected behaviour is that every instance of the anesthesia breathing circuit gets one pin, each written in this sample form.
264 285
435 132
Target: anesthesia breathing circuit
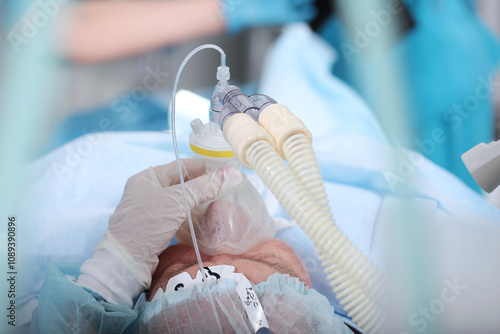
258 133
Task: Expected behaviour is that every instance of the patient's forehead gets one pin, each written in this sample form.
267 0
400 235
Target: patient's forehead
275 251
272 246
176 253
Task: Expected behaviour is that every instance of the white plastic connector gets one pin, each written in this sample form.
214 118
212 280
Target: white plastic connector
281 123
240 131
223 73
197 126
483 163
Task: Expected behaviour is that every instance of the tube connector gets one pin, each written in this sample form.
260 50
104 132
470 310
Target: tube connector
227 111
223 73
281 123
262 101
235 101
241 131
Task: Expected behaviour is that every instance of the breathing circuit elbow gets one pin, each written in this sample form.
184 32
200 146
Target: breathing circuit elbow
281 124
276 119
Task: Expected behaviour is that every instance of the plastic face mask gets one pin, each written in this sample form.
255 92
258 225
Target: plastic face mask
244 288
232 224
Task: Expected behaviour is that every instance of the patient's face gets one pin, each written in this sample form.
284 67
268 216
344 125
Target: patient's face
257 264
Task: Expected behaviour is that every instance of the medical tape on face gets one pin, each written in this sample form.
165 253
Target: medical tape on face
244 288
251 304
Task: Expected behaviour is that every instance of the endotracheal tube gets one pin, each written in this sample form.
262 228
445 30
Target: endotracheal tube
261 133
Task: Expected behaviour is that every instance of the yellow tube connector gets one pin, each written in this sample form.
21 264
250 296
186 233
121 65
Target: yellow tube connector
240 131
281 124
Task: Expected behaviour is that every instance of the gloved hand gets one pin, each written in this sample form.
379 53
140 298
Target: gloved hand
240 14
152 209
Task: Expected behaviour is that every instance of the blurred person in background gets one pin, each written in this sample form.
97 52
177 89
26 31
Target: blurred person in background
94 32
105 30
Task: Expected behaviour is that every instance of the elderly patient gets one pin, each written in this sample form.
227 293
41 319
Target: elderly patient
105 294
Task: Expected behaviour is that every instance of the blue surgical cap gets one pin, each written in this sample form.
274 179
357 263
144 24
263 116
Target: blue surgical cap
289 306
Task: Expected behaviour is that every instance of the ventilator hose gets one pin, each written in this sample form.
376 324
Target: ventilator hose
302 160
303 163
331 244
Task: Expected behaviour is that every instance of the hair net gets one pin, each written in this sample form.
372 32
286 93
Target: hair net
289 306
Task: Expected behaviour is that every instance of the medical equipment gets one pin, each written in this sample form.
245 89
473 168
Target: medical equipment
206 140
352 159
279 134
483 163
237 220
300 190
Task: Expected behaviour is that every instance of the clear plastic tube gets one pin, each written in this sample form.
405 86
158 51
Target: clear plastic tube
179 165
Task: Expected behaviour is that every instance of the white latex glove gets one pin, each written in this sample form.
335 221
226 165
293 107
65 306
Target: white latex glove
152 209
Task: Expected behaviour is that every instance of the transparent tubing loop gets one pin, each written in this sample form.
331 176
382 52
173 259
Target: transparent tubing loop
179 164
